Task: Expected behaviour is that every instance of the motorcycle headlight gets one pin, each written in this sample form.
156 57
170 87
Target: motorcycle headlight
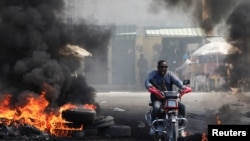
171 104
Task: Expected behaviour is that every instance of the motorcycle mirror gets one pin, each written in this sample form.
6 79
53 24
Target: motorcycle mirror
186 82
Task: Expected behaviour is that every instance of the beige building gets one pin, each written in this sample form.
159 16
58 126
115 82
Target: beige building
129 42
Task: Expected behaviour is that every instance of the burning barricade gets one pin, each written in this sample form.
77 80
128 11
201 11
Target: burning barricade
34 120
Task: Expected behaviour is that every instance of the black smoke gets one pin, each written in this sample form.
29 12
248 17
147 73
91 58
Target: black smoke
239 33
31 34
235 14
187 9
217 10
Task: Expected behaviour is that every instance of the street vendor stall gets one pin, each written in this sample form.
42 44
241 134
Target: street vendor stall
211 56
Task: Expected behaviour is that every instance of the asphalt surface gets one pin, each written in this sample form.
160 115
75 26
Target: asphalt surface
128 108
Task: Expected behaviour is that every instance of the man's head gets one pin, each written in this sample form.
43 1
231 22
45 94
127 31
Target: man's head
162 67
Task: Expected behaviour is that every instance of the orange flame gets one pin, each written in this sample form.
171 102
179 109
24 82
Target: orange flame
218 121
33 113
204 137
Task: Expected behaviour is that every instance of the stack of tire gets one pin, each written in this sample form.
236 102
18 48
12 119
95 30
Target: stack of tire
95 125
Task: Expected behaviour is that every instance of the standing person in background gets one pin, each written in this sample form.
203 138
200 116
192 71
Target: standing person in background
142 64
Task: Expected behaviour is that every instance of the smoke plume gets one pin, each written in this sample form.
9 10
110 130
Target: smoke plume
178 12
239 34
228 18
31 34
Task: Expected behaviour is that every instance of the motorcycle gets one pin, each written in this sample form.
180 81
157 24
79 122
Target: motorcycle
167 126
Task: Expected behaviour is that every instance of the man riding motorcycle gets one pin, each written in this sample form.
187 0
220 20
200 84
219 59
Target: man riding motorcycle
163 81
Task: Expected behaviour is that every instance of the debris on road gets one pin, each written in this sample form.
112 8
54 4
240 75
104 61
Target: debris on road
119 109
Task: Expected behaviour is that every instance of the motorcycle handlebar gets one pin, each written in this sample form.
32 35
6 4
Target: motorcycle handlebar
178 93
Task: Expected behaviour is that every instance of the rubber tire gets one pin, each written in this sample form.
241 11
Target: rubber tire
103 121
78 134
171 136
91 132
156 138
79 116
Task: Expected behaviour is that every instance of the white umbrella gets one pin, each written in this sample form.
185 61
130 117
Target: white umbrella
216 48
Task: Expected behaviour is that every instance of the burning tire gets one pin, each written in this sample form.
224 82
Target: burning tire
116 131
79 116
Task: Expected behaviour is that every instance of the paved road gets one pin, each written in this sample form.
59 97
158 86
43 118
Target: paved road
128 108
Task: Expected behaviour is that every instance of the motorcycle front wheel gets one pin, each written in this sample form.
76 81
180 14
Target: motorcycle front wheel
159 138
172 132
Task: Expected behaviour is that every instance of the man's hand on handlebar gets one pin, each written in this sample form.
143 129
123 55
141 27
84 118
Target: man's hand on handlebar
156 92
185 90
